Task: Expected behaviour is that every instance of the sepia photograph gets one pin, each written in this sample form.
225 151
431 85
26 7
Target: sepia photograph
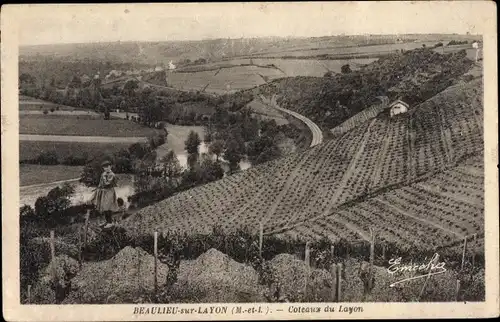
253 153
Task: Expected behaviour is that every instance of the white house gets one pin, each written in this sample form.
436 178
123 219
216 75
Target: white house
398 107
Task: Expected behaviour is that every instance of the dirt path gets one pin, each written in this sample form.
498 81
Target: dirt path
349 172
86 139
315 130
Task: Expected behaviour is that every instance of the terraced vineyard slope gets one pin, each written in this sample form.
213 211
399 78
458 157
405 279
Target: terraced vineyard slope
365 177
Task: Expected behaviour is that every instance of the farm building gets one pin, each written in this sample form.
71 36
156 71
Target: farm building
398 107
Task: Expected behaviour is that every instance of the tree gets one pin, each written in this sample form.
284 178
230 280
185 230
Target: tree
26 78
91 173
262 150
192 143
210 170
328 74
171 166
345 69
47 157
103 107
26 211
208 133
130 87
75 81
138 150
122 161
151 111
233 154
56 201
216 147
155 141
192 161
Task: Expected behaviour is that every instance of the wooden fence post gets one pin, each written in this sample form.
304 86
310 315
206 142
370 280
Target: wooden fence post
29 294
463 253
333 273
372 258
156 262
53 253
457 290
308 263
307 255
80 244
86 228
339 282
427 278
474 254
261 237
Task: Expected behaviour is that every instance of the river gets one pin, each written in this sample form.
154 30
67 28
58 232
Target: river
29 194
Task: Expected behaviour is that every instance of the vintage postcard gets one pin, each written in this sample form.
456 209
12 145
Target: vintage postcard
235 161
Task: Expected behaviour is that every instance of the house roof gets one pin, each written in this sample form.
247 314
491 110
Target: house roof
399 102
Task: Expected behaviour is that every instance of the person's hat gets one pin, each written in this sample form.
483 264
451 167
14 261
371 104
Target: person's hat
105 164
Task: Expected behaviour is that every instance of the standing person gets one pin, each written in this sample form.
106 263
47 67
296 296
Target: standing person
104 198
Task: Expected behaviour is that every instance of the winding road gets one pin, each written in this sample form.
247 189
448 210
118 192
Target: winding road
315 130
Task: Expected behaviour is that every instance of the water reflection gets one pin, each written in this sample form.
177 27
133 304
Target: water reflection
28 195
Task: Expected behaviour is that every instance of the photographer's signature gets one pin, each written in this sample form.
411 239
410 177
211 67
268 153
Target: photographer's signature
433 267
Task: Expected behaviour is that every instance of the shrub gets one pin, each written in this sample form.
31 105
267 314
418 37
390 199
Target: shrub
92 173
345 69
138 150
45 112
52 109
72 160
56 201
47 158
457 42
122 161
26 211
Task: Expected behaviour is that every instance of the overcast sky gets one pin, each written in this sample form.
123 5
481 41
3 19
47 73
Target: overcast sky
49 24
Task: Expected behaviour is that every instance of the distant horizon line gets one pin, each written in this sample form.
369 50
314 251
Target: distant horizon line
239 38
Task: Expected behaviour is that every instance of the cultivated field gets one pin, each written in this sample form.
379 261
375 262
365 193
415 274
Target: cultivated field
381 160
29 150
33 174
266 112
223 80
295 67
27 104
81 125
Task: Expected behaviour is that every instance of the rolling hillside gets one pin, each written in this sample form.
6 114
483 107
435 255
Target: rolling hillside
162 51
413 76
366 177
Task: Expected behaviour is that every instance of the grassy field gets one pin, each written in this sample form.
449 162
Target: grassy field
30 174
266 112
294 67
80 125
29 150
227 79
